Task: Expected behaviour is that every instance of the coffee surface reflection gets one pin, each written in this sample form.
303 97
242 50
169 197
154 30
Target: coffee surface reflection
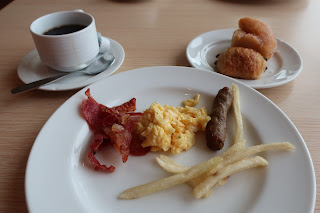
65 29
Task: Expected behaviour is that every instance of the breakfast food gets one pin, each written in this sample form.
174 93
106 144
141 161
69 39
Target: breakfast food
169 128
251 47
213 172
116 125
210 172
240 62
112 125
217 127
238 135
171 181
255 34
192 102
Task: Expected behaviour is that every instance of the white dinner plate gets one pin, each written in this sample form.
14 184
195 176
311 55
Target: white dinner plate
284 66
31 69
59 177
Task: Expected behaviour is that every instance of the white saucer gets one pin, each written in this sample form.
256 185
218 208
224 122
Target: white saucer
31 69
284 66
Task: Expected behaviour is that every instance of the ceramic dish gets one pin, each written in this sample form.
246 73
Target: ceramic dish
59 177
31 69
284 66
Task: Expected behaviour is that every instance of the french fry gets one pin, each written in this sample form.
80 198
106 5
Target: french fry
174 167
237 115
244 164
238 156
230 156
246 152
222 182
170 181
170 165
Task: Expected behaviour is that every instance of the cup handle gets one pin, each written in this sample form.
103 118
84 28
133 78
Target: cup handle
104 43
79 10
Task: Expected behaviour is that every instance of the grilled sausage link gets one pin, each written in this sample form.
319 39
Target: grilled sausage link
216 128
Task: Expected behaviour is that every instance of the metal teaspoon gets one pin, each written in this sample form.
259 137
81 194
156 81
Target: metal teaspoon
99 65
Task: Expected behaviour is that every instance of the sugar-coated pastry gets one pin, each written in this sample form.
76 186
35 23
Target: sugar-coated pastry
256 35
240 62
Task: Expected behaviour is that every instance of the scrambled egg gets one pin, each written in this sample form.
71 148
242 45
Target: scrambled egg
171 128
192 102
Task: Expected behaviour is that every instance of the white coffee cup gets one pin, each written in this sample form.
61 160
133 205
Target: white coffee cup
67 52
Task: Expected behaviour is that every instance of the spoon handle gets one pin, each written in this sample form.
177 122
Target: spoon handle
36 84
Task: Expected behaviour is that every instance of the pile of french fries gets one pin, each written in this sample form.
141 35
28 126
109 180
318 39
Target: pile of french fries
214 172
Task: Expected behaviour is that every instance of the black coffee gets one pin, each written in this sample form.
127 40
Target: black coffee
65 29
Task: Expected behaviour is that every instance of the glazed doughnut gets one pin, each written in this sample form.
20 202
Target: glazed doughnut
240 62
256 35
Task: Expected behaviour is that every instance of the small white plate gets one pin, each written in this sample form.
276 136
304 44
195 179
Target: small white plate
59 177
31 69
284 66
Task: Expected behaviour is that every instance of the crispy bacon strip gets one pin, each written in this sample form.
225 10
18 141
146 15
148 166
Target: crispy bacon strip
96 115
135 146
129 106
94 146
114 124
121 139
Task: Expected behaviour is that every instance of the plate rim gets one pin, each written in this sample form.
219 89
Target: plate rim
262 86
81 92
